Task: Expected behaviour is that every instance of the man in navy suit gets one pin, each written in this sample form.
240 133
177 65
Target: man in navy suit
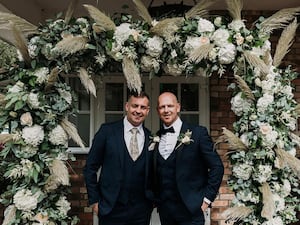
188 170
119 196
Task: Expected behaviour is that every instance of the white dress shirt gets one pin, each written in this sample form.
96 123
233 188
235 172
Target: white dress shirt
127 135
168 141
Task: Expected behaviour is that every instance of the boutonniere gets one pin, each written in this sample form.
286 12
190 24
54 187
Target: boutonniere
184 138
155 139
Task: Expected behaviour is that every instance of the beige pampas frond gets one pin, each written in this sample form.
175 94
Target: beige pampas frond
244 87
24 26
256 62
285 42
167 27
72 132
52 78
70 11
234 142
9 214
70 44
132 75
295 138
200 53
237 213
289 161
297 109
4 138
20 42
59 175
143 11
103 21
268 210
235 8
86 81
279 19
200 9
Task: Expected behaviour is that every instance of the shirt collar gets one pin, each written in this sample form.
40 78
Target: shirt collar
176 125
128 126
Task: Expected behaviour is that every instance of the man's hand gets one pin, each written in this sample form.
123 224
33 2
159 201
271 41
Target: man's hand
204 206
95 208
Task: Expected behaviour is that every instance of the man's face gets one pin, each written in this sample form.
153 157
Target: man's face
137 110
168 108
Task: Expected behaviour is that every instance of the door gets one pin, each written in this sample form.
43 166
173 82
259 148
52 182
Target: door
192 93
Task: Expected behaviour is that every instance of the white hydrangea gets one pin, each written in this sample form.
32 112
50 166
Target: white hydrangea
122 32
246 196
275 221
154 46
41 74
287 91
242 171
237 25
264 102
63 206
279 202
33 135
26 166
18 87
220 37
205 26
58 136
227 53
240 105
83 25
33 100
263 173
25 200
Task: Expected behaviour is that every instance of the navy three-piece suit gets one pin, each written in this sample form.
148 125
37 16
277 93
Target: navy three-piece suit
191 173
123 186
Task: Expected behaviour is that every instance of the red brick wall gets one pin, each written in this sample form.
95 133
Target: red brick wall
221 116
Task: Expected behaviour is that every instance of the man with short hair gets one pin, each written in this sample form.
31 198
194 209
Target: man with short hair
120 150
188 170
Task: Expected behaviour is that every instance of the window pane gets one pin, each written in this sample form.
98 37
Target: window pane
113 117
114 97
82 122
190 118
169 87
189 97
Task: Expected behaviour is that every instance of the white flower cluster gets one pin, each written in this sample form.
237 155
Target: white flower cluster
242 171
58 136
63 206
33 135
25 200
41 75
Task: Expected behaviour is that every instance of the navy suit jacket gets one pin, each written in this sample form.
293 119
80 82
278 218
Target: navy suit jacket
199 169
107 153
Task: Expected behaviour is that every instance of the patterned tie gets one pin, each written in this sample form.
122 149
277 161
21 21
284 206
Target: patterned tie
134 148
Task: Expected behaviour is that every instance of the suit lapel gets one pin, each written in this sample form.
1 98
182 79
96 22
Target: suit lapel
119 137
178 146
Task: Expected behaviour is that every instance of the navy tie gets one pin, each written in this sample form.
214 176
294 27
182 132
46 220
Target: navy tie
168 130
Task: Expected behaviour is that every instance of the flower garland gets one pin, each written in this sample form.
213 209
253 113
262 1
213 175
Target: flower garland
35 107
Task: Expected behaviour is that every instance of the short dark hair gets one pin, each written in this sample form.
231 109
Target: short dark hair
135 94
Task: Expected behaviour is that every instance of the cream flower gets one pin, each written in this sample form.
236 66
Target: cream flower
149 63
25 200
239 104
33 135
18 87
33 100
205 26
63 206
58 136
26 119
41 74
227 53
154 46
221 36
66 95
237 25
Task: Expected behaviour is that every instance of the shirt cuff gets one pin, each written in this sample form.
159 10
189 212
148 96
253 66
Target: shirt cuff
207 201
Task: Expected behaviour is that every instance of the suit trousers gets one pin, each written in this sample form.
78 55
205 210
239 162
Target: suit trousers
173 212
131 213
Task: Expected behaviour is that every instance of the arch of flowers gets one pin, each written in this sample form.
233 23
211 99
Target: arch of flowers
265 171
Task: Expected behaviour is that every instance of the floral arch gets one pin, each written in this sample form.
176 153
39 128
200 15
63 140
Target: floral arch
265 172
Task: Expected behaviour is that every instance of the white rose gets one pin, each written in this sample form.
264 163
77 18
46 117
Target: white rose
227 54
154 46
221 36
236 25
218 21
33 100
17 87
